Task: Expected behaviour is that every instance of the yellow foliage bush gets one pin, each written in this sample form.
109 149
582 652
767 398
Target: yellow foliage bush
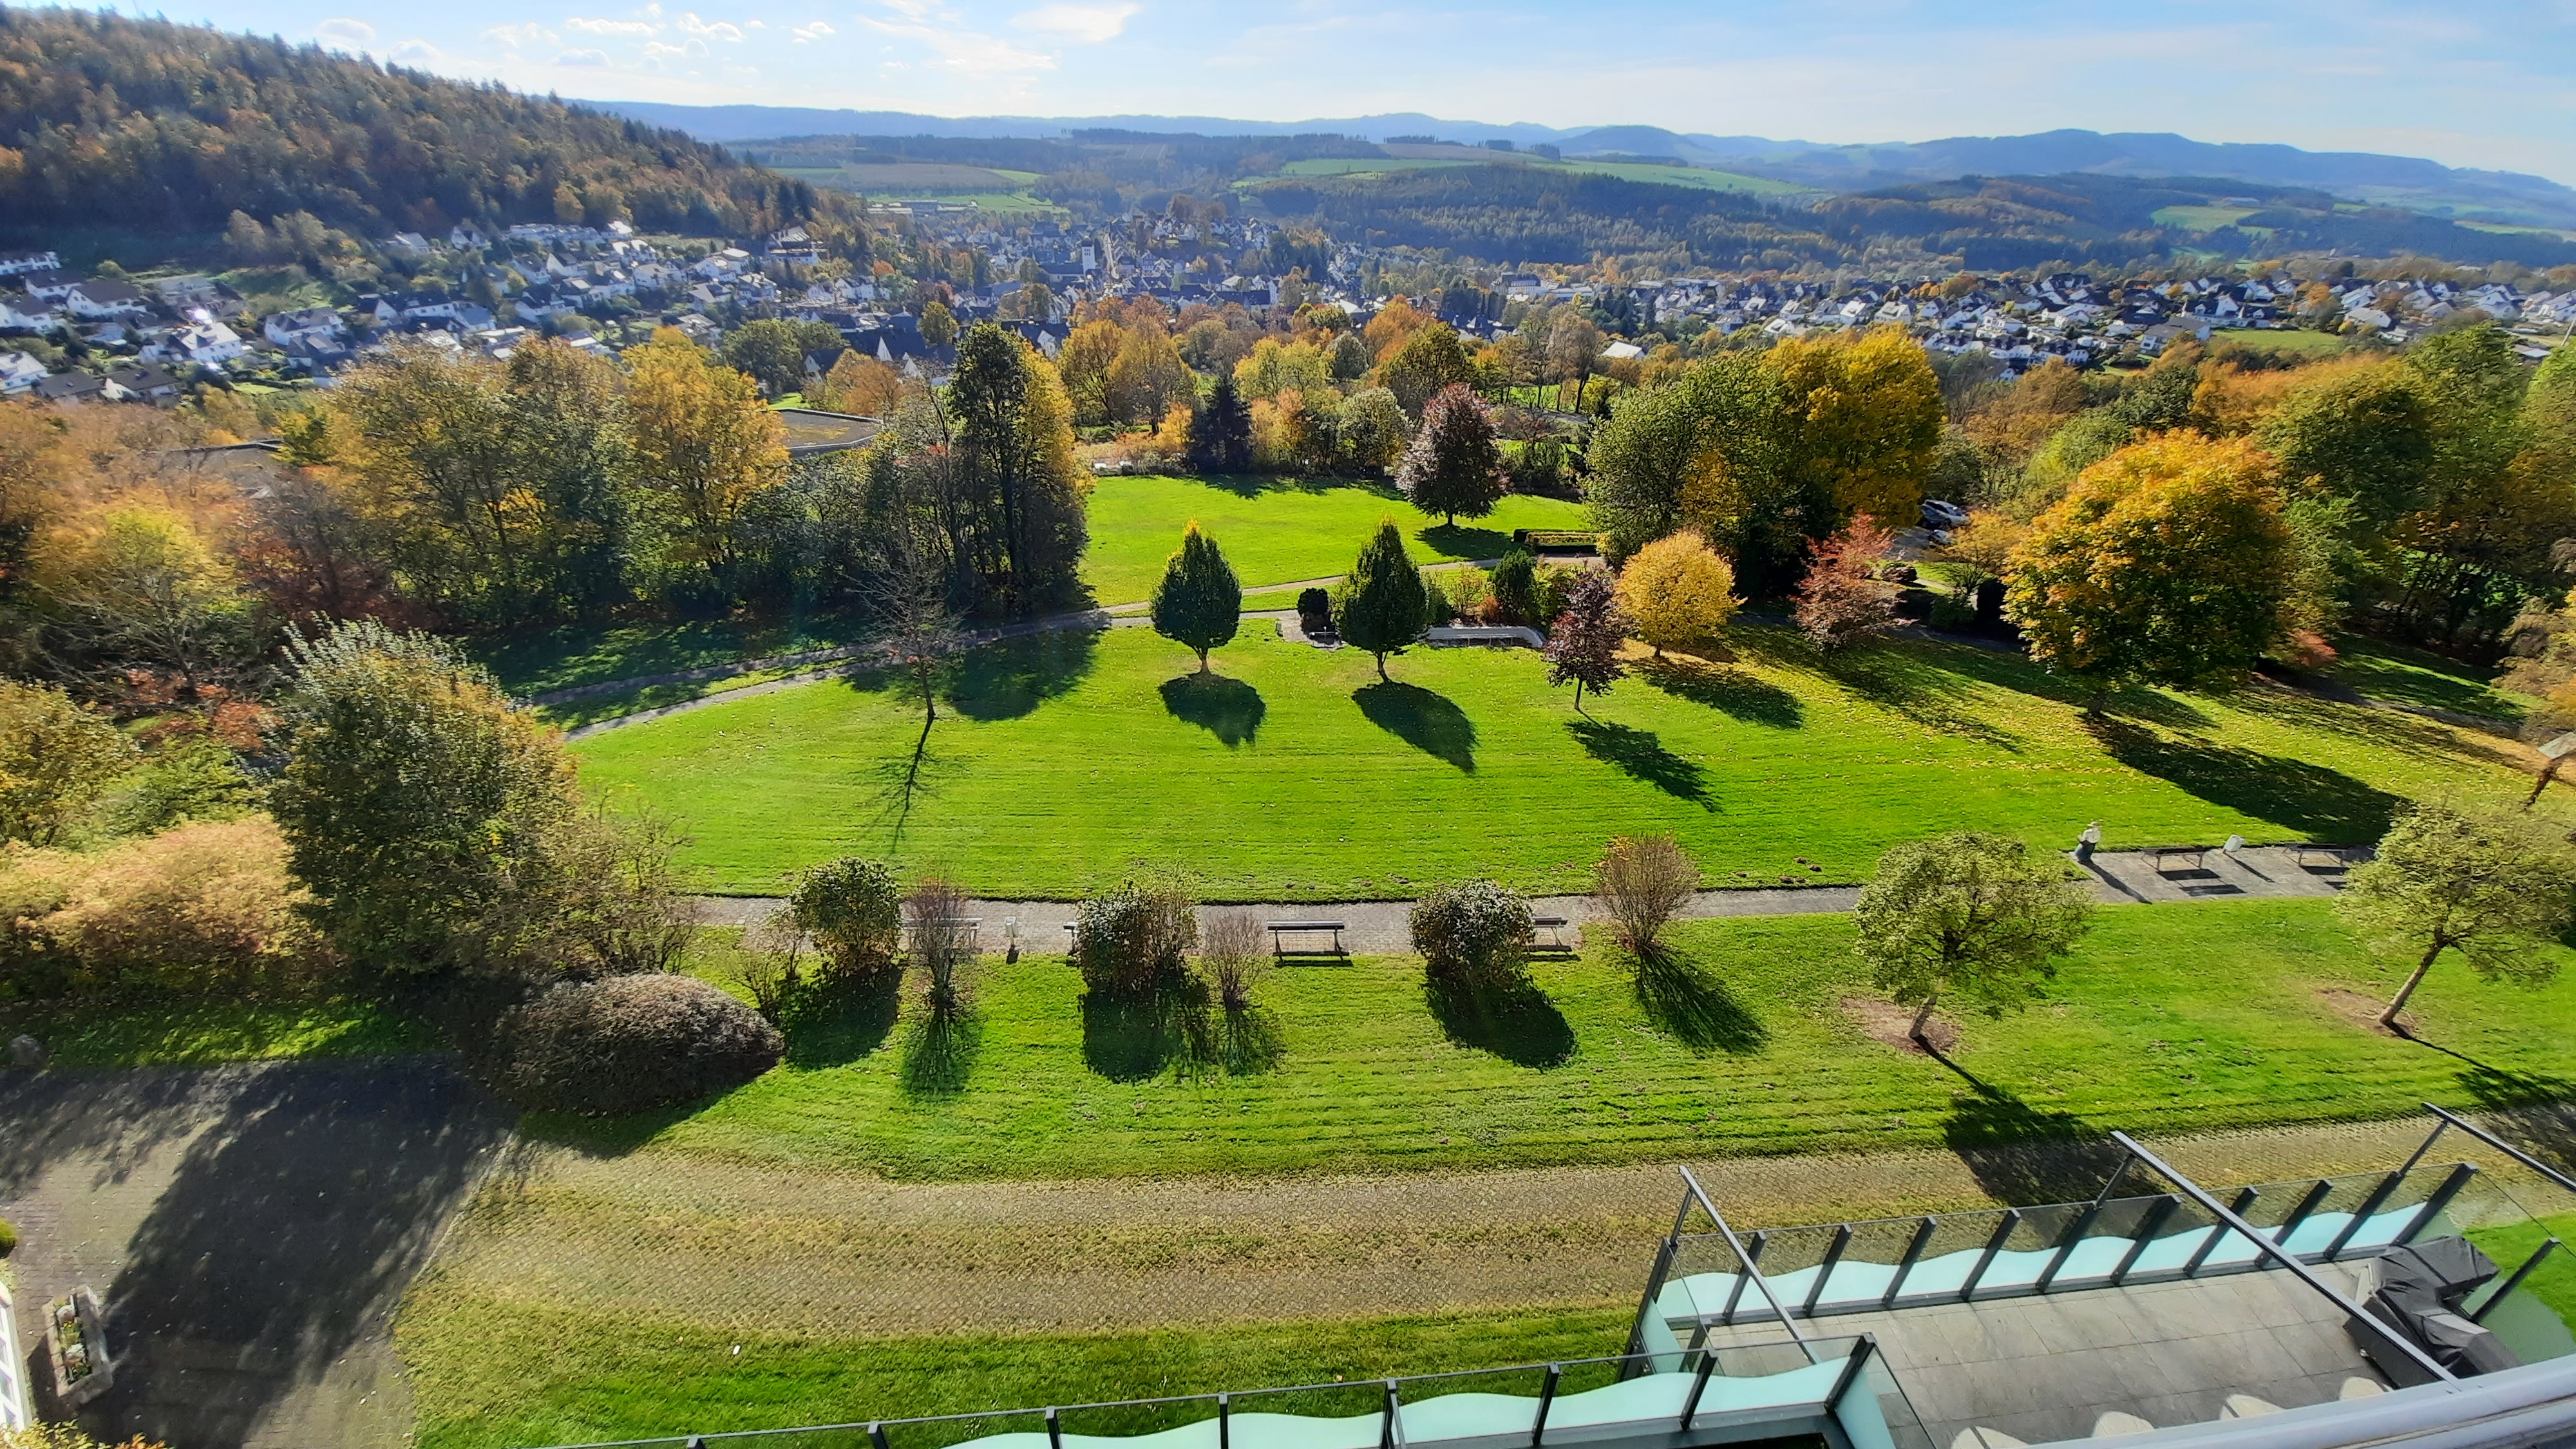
203 910
1677 591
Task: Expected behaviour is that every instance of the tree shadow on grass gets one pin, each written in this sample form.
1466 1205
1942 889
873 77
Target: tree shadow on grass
830 1023
1729 691
1640 755
2023 1155
2312 800
939 1053
2535 1111
1509 1017
1012 677
1926 688
1451 540
1427 721
1229 709
1250 1042
1135 1036
1682 997
902 783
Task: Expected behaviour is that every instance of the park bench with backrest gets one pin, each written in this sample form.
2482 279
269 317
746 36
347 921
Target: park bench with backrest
1555 928
1280 931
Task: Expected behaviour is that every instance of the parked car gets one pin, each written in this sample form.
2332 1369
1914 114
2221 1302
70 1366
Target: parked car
1937 514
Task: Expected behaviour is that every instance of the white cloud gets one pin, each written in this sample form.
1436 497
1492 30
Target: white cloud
341 27
515 36
586 59
690 24
416 52
815 31
588 26
965 52
689 49
1088 24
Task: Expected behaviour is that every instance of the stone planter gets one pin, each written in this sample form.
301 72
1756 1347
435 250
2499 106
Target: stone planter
76 1353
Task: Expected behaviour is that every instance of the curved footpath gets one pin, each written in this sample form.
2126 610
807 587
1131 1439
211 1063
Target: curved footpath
1382 927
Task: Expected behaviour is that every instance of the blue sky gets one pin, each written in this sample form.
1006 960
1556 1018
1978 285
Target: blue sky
2490 83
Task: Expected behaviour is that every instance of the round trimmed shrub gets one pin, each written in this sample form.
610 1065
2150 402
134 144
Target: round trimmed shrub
1134 938
630 1043
854 911
1476 930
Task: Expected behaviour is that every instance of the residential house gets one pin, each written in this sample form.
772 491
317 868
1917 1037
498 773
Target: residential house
101 300
283 328
78 387
203 341
28 315
20 263
19 372
153 384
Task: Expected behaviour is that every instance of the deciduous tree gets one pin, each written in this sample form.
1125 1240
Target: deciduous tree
1842 600
1967 915
1374 430
704 442
862 385
1199 602
55 759
1676 591
1015 465
2168 562
2493 886
1864 419
1454 465
1430 360
1583 644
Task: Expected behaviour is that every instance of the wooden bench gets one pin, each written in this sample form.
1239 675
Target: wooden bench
2159 856
1555 928
2320 859
1280 931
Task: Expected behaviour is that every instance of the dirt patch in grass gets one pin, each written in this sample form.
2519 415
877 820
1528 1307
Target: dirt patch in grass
1889 1024
2362 1010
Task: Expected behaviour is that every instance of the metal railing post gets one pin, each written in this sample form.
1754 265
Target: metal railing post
1224 1421
2220 1232
2117 1173
2507 1148
2147 1230
1391 1436
1905 1265
1744 1264
2281 1254
2547 1246
1852 1367
1664 1255
1985 1260
1055 1430
2066 1249
1546 1396
2440 1199
877 1436
1759 1281
2300 1214
1699 1386
2361 1214
1825 1270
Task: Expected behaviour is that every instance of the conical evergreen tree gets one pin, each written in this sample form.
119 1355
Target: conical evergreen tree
1383 605
1199 602
1221 431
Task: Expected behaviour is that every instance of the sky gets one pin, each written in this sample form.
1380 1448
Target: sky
2488 84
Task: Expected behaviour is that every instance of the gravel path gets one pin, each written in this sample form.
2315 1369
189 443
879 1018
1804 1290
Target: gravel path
786 1249
1382 927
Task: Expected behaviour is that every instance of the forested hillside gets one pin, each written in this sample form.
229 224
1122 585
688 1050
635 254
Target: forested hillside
106 121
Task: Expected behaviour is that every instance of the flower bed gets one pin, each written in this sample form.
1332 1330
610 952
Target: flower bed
76 1349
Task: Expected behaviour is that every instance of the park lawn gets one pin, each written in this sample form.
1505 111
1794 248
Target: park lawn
119 1034
2167 1019
2390 671
1279 530
1065 761
496 1374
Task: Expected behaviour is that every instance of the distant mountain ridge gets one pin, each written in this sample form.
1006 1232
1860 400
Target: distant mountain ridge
2498 196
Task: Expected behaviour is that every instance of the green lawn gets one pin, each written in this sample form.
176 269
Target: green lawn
1279 530
2390 671
116 1034
2169 1018
1065 761
574 654
495 1375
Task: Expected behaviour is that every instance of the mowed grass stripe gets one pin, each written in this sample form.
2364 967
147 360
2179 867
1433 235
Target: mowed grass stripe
2168 1019
1065 762
1279 530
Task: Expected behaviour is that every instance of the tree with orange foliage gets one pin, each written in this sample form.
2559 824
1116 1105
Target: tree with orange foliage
862 385
703 439
1842 600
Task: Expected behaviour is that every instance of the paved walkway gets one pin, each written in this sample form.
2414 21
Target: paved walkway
1383 927
250 1231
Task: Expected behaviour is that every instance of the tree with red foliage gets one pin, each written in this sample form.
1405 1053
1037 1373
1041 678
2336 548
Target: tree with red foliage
1841 601
1583 643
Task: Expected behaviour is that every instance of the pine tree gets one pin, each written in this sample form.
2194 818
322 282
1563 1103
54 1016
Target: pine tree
1454 465
1199 602
1383 604
1221 431
1583 645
